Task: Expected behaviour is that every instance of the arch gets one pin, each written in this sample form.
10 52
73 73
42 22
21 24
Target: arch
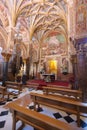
57 32
21 47
35 55
4 37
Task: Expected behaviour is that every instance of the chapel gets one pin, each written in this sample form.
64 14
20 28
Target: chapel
43 61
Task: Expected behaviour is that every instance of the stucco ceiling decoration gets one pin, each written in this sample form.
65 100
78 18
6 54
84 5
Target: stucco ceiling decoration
3 14
40 12
47 16
2 41
39 16
37 8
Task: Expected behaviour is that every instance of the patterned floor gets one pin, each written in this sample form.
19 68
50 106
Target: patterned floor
6 117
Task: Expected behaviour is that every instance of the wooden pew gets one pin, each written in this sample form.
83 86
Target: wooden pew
59 86
3 92
35 119
32 85
71 93
66 104
14 85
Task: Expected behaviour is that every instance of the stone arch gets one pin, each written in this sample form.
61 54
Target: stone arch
22 47
2 18
3 14
3 37
35 55
58 33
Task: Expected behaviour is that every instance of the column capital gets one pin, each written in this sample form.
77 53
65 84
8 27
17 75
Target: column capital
6 56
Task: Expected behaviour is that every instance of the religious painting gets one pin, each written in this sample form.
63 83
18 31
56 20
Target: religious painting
56 45
53 66
81 18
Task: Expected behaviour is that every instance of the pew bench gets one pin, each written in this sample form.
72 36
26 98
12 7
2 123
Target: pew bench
65 104
3 92
32 85
15 86
77 94
69 86
37 120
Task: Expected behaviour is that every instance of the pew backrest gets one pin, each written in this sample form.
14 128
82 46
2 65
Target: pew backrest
69 86
66 104
35 119
32 85
14 85
2 91
76 94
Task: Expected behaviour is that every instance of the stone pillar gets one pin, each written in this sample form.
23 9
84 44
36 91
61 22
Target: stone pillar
24 75
18 62
27 67
75 71
36 69
5 66
24 61
81 51
81 65
82 69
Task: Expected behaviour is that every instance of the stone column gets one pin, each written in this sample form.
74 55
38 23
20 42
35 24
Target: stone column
82 69
5 66
27 67
75 71
24 74
36 68
81 65
24 61
18 62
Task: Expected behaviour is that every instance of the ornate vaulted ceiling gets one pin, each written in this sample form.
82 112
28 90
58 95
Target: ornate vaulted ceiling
34 19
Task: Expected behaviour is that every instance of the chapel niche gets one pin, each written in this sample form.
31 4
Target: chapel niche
55 51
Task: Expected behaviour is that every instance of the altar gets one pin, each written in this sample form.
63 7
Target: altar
49 77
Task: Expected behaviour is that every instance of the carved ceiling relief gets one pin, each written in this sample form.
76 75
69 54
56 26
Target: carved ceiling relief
3 15
36 20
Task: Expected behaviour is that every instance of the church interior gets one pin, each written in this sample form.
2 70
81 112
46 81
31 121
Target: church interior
43 64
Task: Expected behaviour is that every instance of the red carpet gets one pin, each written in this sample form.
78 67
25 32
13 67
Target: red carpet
42 83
